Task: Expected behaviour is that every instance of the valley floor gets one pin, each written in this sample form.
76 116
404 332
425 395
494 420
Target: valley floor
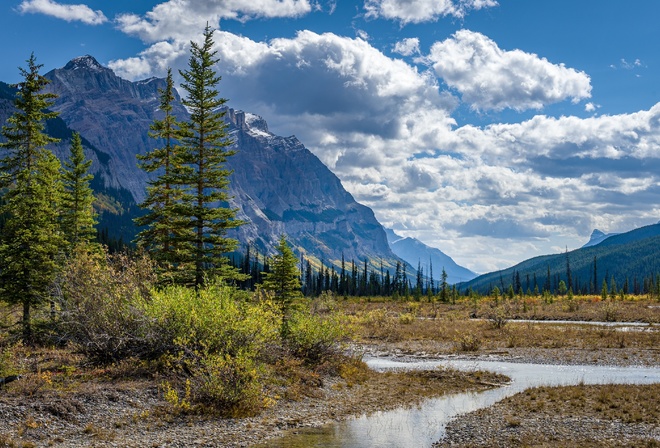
114 407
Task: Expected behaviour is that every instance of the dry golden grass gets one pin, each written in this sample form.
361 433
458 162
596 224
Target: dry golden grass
553 417
451 328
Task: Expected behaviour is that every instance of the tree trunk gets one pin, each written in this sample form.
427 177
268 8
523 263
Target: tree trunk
27 328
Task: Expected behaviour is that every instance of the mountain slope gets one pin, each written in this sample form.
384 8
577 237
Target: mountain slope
598 237
277 184
415 252
112 114
114 205
631 256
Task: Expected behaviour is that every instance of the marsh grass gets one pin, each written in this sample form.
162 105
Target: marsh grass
449 328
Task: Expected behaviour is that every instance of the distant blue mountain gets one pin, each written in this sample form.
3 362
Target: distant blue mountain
415 252
598 237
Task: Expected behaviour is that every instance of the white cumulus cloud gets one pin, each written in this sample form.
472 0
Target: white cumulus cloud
70 13
407 47
180 19
490 78
417 11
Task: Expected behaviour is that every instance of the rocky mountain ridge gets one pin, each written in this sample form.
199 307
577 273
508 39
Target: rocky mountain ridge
415 253
278 185
597 237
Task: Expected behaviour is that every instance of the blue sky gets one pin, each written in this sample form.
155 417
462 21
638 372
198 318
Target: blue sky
493 130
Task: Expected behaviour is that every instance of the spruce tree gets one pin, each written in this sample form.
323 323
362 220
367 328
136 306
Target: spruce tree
204 149
78 216
31 240
444 286
168 235
284 277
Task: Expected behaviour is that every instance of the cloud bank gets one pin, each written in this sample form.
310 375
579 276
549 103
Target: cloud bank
486 195
182 19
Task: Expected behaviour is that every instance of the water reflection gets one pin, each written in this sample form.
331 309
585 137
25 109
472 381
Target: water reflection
425 424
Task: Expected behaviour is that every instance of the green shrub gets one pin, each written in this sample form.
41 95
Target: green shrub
467 342
380 325
218 319
102 302
218 338
312 337
230 384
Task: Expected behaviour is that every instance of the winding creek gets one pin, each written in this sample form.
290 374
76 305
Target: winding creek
423 425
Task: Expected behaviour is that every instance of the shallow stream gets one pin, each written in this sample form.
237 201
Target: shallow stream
423 425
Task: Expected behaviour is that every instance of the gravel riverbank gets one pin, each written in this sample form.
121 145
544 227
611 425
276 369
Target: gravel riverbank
584 416
134 414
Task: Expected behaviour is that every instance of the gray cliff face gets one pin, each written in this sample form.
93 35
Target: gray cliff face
113 114
597 237
278 185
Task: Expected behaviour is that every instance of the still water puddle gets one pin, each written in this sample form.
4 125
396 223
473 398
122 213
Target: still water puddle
423 425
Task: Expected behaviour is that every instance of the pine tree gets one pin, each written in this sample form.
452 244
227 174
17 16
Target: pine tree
167 235
595 276
78 216
31 241
284 277
444 286
431 281
204 149
569 277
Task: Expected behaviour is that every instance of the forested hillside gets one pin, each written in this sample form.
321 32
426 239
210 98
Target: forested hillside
629 261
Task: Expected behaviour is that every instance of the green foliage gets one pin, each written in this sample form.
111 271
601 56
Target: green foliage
467 342
103 307
312 337
31 240
78 216
215 335
231 384
203 152
24 131
219 338
167 232
496 293
284 277
217 319
562 288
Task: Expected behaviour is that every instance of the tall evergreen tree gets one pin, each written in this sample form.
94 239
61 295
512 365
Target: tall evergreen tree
431 281
168 233
31 240
284 277
595 275
444 286
204 149
78 216
419 285
569 274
